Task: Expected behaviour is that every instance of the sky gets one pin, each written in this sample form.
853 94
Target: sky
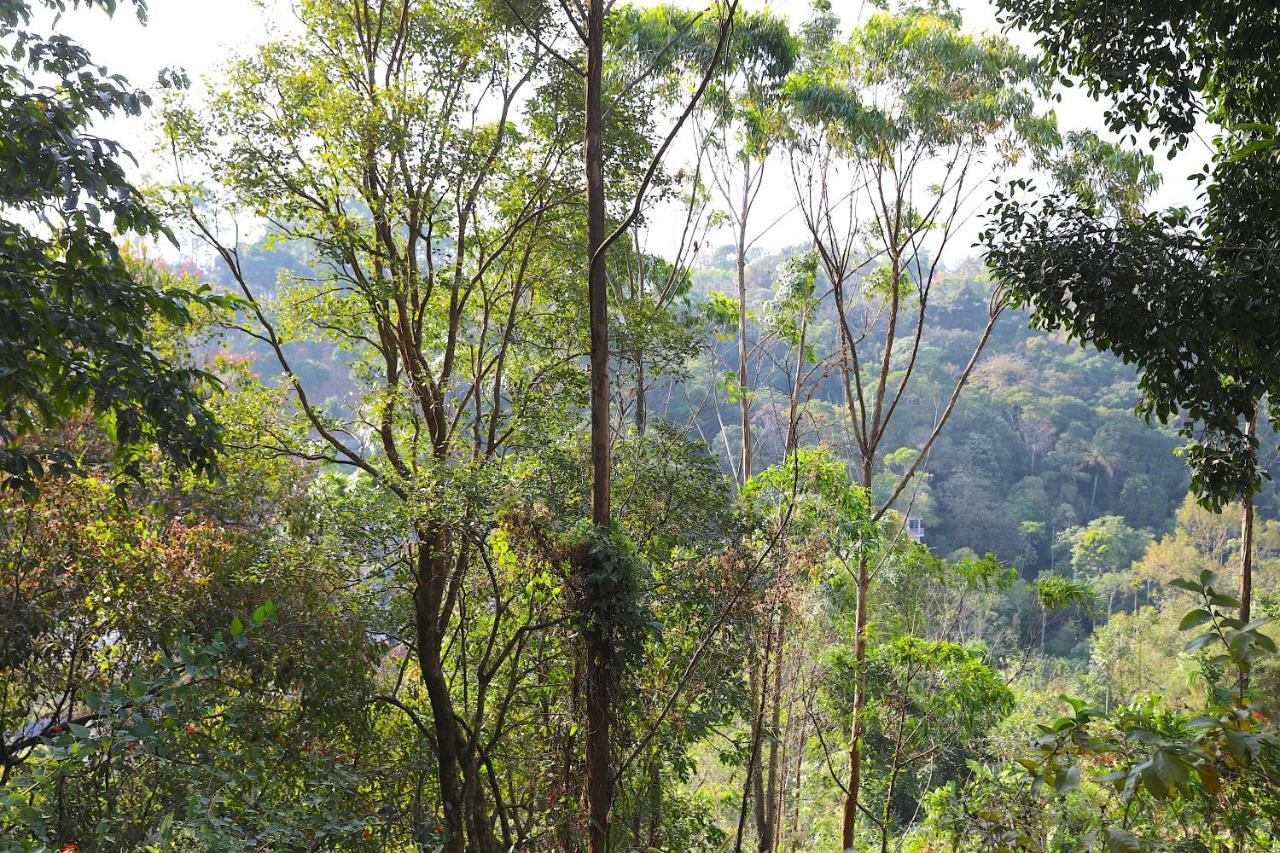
198 36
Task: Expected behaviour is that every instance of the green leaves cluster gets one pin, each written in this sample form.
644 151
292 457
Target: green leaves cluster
1151 758
75 314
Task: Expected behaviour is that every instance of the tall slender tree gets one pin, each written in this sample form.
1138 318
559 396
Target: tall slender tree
896 127
745 115
664 36
363 140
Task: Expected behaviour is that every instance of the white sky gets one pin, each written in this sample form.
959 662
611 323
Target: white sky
197 36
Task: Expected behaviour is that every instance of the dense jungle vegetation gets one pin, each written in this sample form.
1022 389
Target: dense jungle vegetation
498 425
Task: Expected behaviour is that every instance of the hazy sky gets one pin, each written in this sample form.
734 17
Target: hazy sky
197 36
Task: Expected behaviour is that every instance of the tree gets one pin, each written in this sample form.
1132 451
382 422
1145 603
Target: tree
1104 545
598 604
1189 298
928 699
891 128
75 314
181 664
1216 770
382 139
746 108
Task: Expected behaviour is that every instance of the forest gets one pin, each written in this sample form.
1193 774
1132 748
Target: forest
581 425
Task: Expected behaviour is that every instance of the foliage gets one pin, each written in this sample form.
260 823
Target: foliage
150 734
866 526
74 312
1182 295
1215 769
1105 544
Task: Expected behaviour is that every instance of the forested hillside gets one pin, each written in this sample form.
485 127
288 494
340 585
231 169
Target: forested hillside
583 426
1045 435
1045 439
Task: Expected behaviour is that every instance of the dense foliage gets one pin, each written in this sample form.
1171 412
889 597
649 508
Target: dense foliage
74 315
506 473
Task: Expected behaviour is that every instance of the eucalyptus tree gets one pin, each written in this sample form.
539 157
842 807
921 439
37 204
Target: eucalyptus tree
896 129
745 116
383 140
1190 298
74 314
787 348
744 108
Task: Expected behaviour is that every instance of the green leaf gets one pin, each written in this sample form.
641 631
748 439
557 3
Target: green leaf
1122 841
1220 599
1200 642
1067 779
237 627
1152 780
1194 618
263 612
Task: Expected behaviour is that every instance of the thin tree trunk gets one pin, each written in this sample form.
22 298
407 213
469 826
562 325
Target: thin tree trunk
599 780
1246 542
655 803
794 831
784 778
642 405
887 811
744 403
849 822
757 686
1246 534
771 804
759 805
793 411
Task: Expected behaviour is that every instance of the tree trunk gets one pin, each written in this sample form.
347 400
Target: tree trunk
1246 535
749 790
887 811
744 403
1246 544
642 403
655 803
599 780
432 573
759 805
794 829
769 827
597 281
793 411
849 822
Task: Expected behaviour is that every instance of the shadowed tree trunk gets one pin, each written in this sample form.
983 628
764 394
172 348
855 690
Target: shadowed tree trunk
599 781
